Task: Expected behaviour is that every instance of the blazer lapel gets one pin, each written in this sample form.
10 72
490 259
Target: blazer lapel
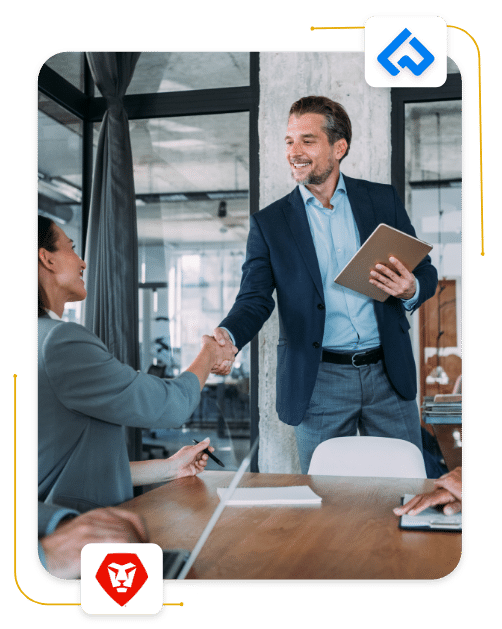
296 217
362 207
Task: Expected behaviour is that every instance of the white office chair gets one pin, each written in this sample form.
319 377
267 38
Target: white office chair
368 456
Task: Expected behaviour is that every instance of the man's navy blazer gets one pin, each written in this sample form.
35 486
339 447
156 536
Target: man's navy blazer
281 255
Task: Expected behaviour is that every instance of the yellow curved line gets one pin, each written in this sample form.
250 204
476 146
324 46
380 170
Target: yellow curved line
32 600
314 28
15 523
480 135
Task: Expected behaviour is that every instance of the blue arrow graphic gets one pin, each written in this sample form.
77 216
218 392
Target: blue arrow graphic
383 57
417 68
406 61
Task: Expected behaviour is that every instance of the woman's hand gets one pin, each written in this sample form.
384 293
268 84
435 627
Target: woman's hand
191 460
188 461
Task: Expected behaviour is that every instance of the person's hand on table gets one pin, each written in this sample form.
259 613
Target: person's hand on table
401 284
190 460
62 548
452 482
448 492
224 367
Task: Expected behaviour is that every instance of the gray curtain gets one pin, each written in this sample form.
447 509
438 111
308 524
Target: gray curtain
111 309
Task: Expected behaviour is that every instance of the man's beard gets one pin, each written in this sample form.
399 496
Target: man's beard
313 179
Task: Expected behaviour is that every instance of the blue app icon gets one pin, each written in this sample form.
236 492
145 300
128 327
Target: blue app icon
405 62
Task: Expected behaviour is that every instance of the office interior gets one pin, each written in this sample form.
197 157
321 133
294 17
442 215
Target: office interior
207 139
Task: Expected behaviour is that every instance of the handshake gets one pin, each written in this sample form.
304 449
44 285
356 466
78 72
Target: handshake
222 351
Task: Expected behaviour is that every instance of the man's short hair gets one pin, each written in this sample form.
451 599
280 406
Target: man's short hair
337 122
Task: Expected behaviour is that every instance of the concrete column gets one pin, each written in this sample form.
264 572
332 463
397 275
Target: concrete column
284 78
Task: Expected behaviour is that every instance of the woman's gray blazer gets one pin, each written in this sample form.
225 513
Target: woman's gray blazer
85 398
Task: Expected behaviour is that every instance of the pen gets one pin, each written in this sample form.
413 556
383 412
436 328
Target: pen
210 454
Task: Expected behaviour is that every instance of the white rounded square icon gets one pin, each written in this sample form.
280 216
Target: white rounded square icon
121 579
408 51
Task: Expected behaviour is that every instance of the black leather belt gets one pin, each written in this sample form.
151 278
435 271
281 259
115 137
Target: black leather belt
358 359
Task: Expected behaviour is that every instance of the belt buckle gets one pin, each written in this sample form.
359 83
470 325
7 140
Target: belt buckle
357 354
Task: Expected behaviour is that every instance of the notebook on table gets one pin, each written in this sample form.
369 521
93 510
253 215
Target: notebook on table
244 496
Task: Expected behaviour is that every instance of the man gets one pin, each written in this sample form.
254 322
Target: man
344 362
63 533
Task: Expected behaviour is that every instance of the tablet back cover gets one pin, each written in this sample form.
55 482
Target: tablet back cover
384 242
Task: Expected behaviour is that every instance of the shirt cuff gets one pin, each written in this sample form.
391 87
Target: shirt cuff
52 523
409 304
230 335
56 518
41 555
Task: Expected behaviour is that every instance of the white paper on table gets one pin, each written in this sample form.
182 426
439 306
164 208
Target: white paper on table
302 495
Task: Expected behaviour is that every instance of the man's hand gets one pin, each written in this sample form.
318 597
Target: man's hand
448 492
439 496
212 358
191 460
62 548
452 482
222 337
401 284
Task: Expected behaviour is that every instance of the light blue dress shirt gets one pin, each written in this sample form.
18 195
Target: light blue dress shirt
350 317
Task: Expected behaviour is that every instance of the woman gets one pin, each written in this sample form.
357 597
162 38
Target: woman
86 396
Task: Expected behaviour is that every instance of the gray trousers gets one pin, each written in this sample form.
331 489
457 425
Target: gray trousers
347 399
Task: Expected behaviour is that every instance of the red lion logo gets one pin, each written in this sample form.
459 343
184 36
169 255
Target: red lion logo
121 575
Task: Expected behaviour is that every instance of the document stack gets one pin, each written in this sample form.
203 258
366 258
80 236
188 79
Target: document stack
443 409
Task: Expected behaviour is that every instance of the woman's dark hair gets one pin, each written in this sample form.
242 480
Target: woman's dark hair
46 240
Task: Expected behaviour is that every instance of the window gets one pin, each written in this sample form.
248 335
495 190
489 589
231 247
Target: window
433 144
158 72
194 135
192 180
60 176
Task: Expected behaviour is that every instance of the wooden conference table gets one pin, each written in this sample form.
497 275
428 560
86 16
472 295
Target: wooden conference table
353 534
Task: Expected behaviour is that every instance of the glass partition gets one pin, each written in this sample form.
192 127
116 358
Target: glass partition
69 65
433 145
60 176
191 179
180 71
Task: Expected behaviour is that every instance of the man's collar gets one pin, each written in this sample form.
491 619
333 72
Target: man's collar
53 315
306 194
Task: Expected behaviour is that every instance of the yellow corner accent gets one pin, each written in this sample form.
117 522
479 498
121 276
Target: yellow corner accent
480 135
15 527
315 28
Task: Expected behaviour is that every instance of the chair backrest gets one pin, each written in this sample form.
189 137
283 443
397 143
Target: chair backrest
368 456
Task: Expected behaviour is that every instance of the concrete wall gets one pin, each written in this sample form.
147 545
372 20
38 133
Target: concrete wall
285 77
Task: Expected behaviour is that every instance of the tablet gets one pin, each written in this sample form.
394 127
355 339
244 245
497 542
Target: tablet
384 242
